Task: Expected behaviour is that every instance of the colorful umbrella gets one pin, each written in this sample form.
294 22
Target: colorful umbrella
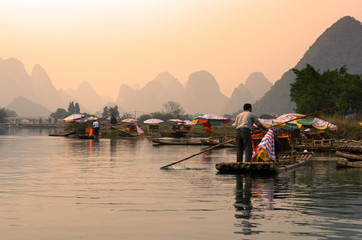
90 119
318 124
153 121
129 120
208 119
188 122
176 120
73 117
211 118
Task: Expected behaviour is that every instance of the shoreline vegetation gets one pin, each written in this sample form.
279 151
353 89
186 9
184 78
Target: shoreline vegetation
348 128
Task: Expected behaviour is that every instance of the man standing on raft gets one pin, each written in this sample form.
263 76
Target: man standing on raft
244 124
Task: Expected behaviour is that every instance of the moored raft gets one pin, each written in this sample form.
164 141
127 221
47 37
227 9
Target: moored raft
286 162
356 156
342 162
177 141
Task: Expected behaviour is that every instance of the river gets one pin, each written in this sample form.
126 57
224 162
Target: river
64 188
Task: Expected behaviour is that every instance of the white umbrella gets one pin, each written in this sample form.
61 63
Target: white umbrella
129 120
73 117
153 121
176 120
188 122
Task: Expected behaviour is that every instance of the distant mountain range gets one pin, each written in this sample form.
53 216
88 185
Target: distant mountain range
339 45
200 94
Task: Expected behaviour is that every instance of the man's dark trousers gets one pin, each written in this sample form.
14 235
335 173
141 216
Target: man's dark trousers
243 143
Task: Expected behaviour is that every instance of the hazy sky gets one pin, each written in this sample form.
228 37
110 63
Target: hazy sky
110 42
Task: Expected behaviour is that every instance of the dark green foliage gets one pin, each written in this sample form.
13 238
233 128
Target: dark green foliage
2 115
113 111
339 45
10 113
76 108
59 114
173 109
314 91
71 108
105 112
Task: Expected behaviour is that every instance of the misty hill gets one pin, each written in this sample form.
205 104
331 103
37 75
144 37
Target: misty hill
45 92
339 45
202 94
88 99
256 85
239 97
150 98
14 81
26 108
38 88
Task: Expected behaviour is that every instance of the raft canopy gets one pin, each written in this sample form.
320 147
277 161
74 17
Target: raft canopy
287 122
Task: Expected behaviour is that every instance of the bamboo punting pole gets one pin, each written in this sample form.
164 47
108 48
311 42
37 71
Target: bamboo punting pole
193 155
218 145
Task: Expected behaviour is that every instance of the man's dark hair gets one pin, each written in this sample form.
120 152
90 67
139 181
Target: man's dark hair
247 106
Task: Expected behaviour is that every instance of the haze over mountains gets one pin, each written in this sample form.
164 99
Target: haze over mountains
339 45
200 94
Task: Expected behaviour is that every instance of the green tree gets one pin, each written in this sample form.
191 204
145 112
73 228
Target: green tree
59 114
105 112
173 109
71 108
313 91
114 111
10 113
76 108
3 115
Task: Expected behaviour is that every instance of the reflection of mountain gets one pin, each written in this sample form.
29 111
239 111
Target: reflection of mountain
339 45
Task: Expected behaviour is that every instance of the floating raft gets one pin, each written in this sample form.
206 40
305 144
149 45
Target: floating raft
286 162
350 156
342 162
355 147
177 141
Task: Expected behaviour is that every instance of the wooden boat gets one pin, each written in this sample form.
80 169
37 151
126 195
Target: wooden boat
64 133
285 162
177 141
342 162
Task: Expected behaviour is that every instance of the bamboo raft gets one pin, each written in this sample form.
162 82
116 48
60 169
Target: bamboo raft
285 162
342 162
350 156
177 141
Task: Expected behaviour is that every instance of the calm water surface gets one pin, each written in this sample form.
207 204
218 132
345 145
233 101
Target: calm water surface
63 188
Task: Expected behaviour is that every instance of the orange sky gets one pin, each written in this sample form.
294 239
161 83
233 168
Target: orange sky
110 42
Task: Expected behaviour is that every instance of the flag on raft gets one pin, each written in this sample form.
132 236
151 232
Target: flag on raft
265 151
139 130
